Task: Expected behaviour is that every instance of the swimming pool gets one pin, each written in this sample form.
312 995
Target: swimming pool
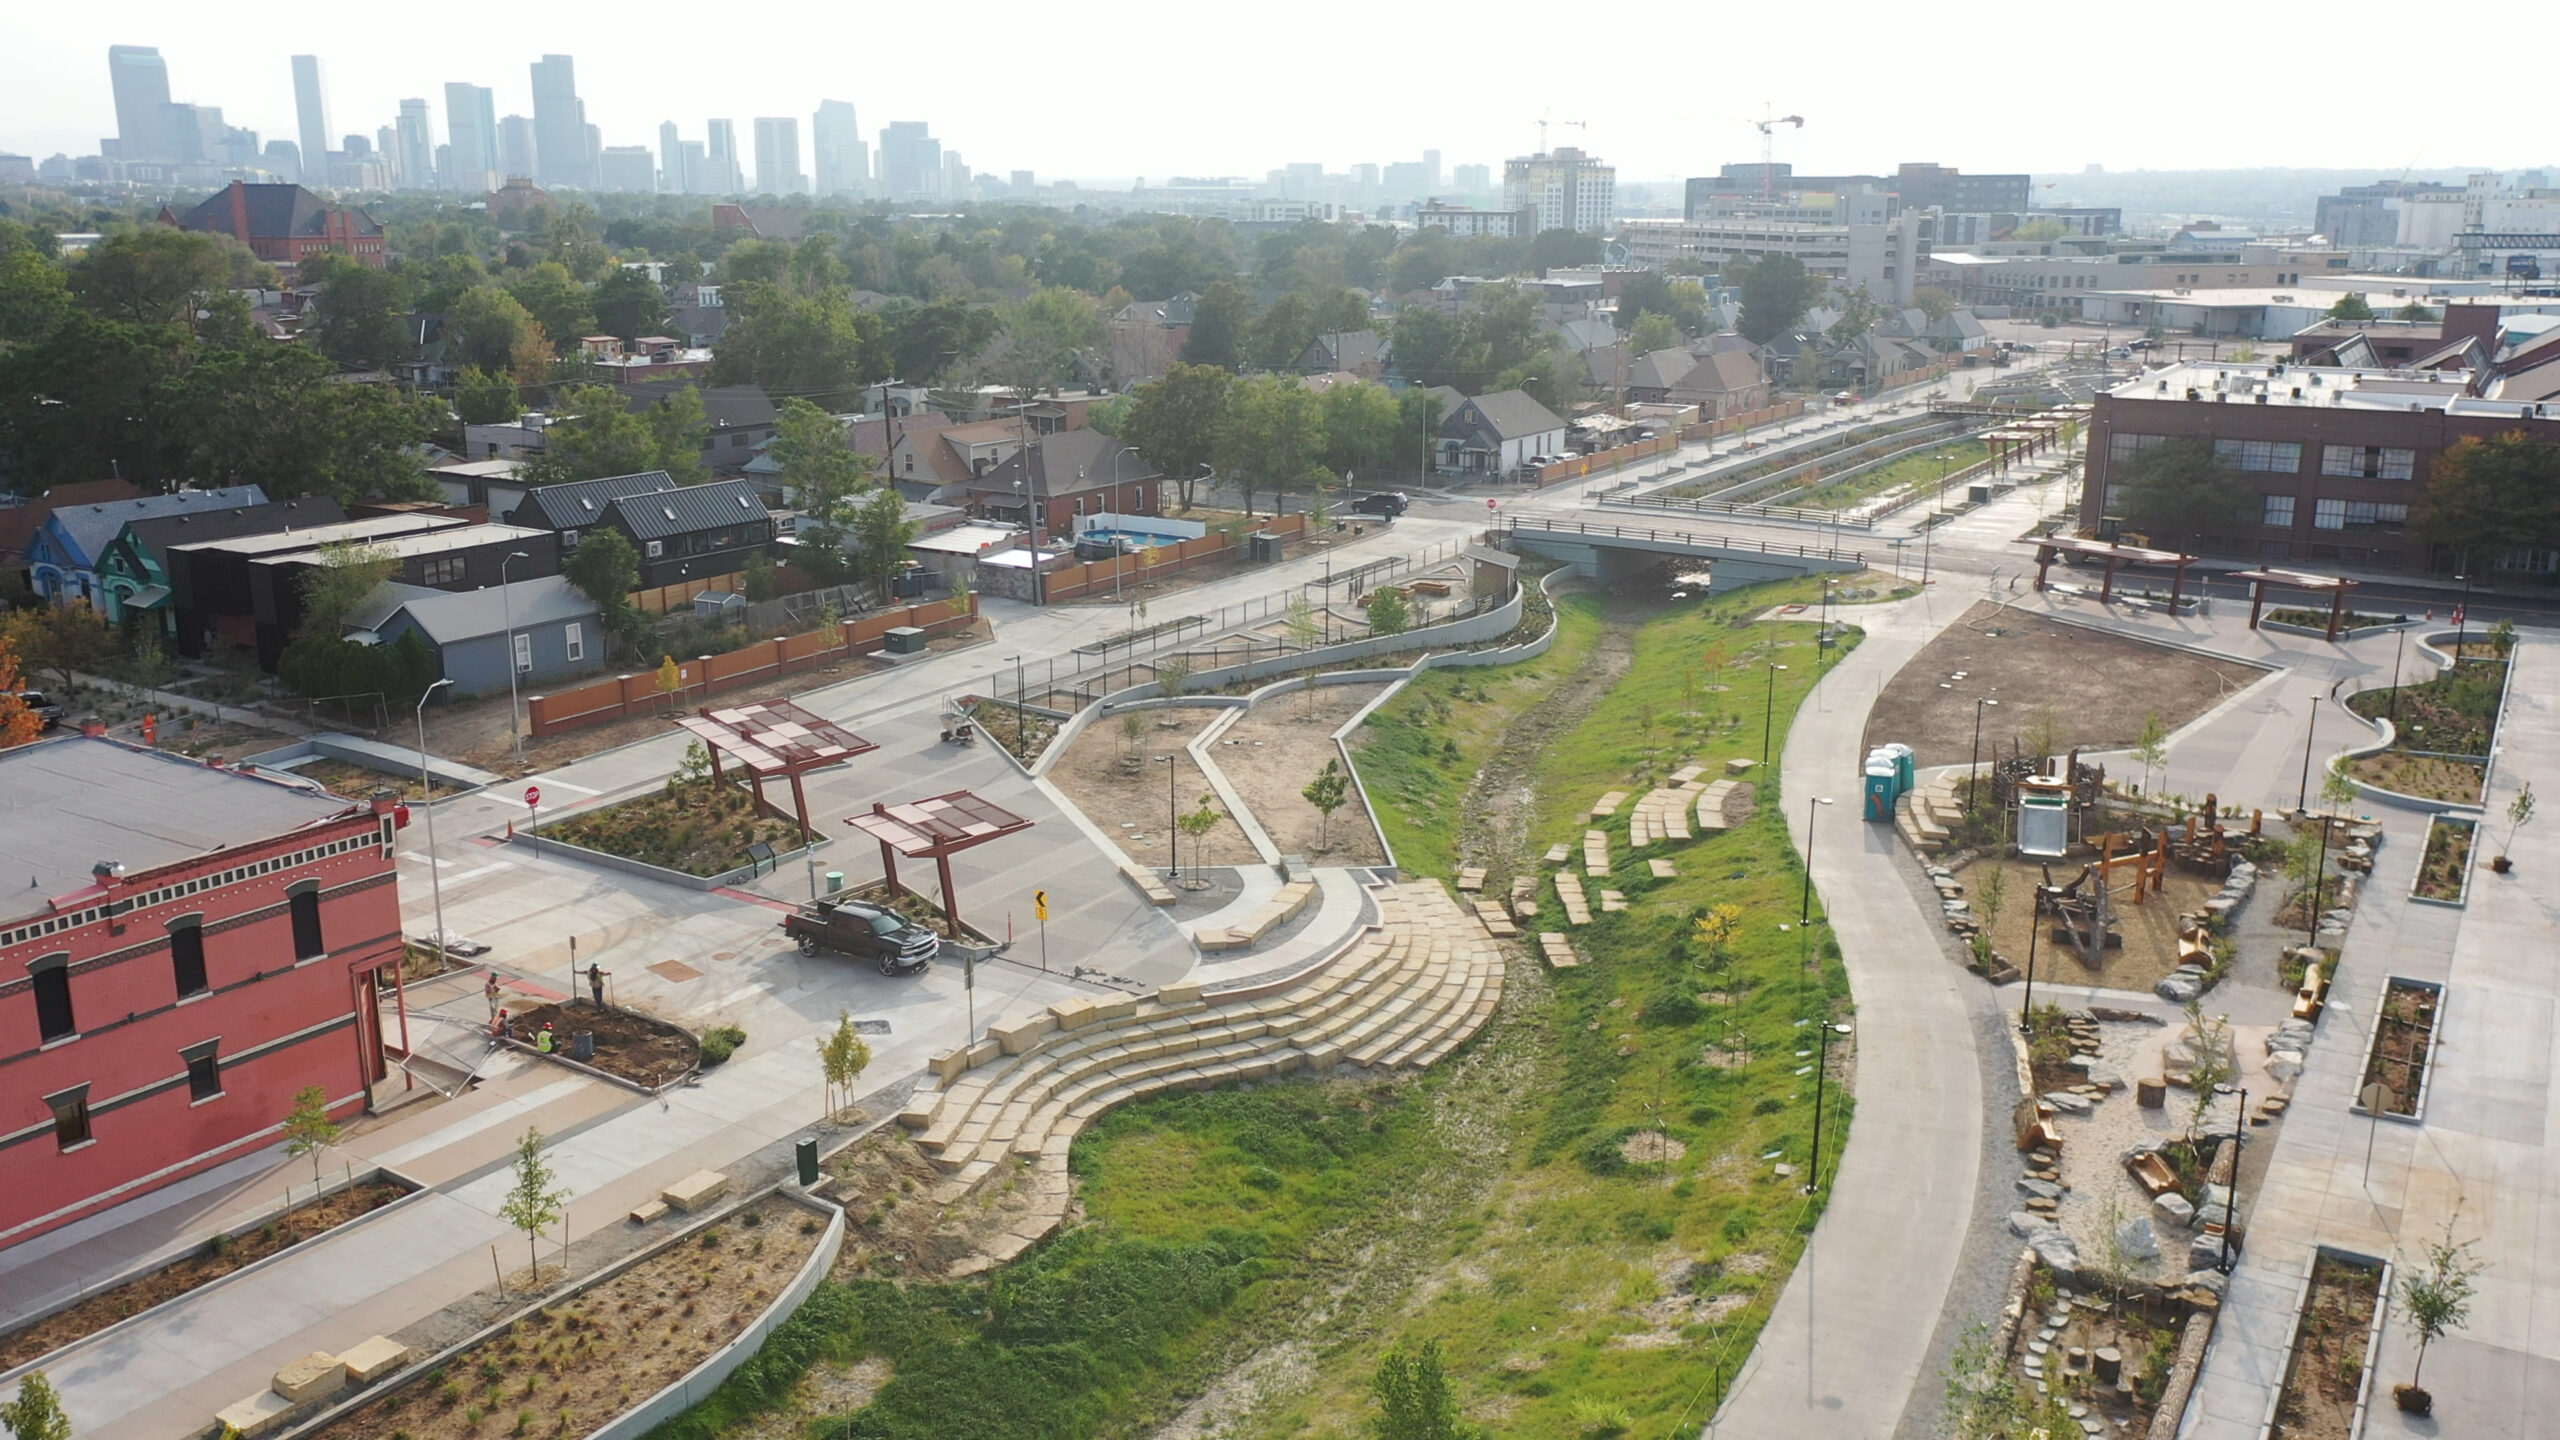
1129 539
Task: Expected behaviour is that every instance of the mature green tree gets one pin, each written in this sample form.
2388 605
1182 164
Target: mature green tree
1649 292
2351 307
1282 334
153 275
821 472
925 339
1859 313
877 537
593 433
2179 489
1414 1398
1429 343
605 569
491 329
558 303
2413 311
1655 331
1220 321
362 318
441 281
1342 311
482 398
34 300
275 416
628 304
2486 496
95 397
333 589
1417 421
1361 423
1179 422
1042 336
1554 249
679 427
1541 377
1423 261
1776 291
1933 302
1275 432
760 262
815 346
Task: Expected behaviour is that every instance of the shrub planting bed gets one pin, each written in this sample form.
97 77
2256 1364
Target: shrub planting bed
642 1049
700 827
2403 1041
2445 866
2455 713
219 1257
2326 1376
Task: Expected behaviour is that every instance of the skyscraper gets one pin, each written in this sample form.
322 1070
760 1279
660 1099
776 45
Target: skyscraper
560 151
414 149
1568 189
515 148
955 176
722 177
671 171
778 155
910 161
311 111
695 166
141 83
627 170
841 159
471 124
284 158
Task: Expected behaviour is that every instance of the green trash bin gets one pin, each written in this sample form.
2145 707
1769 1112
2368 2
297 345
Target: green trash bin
835 881
807 1154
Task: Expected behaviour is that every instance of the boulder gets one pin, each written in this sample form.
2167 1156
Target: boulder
2057 1252
2174 1209
2283 1066
2066 1101
2207 1279
2027 1226
2134 1237
2041 1189
2204 1252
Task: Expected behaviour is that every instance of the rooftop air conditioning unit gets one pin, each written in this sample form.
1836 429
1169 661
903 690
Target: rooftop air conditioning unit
2297 392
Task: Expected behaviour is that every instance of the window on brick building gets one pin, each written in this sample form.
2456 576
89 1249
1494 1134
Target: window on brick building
186 955
2371 462
2277 512
52 978
70 1116
305 904
2278 457
204 1069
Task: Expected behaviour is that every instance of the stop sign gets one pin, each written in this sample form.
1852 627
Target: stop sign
532 795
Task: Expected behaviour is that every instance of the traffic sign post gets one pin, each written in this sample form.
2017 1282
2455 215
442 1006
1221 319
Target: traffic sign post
1040 908
533 803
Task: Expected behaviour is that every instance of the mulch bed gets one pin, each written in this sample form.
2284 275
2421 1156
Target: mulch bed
215 1260
701 827
639 1048
2446 864
2319 1397
2402 1048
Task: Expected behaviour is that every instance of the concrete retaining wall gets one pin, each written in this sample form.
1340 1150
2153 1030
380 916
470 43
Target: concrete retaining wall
644 869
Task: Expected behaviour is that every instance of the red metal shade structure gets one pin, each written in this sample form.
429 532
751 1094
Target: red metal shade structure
935 829
775 737
2052 547
2336 585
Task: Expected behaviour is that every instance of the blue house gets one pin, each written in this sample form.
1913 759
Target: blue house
64 556
555 632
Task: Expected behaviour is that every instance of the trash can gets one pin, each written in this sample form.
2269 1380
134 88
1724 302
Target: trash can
1880 793
806 1151
835 881
582 1045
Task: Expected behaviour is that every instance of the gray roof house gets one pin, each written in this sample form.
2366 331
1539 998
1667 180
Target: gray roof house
681 532
557 631
1361 352
1496 434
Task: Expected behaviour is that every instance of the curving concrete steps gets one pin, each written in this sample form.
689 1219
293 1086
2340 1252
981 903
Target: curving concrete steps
1404 992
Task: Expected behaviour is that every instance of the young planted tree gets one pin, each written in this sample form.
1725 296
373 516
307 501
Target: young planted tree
1414 1399
843 1056
308 1130
2151 747
536 1203
37 1413
1133 734
1388 612
1197 824
1173 673
2435 1300
2519 815
670 680
2213 1066
1989 899
1327 792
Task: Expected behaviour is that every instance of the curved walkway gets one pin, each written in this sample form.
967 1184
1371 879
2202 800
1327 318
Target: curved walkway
1852 1329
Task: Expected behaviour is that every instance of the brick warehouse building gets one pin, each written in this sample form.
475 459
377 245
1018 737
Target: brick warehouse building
2337 456
190 946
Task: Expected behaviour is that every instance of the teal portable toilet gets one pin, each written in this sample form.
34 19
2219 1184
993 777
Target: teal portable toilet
1905 773
1880 793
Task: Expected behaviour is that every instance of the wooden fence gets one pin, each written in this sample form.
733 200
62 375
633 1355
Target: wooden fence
1090 578
707 675
1597 461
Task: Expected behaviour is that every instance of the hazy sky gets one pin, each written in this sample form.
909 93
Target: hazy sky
1159 89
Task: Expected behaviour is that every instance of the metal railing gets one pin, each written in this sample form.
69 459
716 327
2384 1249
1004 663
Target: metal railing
1517 524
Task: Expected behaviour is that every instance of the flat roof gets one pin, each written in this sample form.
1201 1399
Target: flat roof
2325 386
69 803
965 539
343 532
431 542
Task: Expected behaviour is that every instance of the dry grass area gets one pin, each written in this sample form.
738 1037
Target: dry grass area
2150 929
357 782
569 1367
2095 690
215 1260
1276 749
894 1230
1115 775
2423 775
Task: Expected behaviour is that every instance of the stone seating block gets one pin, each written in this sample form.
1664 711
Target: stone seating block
650 1213
1016 1036
696 1191
255 1416
1187 993
311 1377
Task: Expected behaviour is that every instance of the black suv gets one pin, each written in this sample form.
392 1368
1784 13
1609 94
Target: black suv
1389 503
851 927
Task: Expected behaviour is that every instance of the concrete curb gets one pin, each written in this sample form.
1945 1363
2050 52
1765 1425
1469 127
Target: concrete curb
647 871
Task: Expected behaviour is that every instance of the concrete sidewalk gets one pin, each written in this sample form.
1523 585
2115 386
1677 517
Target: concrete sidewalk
1846 1342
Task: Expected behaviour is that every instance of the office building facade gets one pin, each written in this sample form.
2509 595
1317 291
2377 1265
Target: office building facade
840 158
311 117
1567 190
471 128
560 144
778 156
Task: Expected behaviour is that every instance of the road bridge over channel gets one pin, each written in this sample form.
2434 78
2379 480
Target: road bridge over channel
1611 553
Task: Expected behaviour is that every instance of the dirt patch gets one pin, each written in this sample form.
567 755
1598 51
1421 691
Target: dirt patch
829 1388
1115 775
2430 776
2150 929
701 827
2096 689
2400 1053
358 782
217 1259
1651 1147
893 1227
1276 749
2319 1397
1501 800
574 1365
639 1048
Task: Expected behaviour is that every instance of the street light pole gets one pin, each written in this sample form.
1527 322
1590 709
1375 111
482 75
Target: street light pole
1769 713
2302 802
1804 915
2462 613
2035 930
1973 767
1821 1073
507 602
2231 1193
427 802
2399 648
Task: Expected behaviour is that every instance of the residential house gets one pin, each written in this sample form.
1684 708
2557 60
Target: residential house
283 224
454 557
1497 434
210 581
696 313
1957 333
19 521
1719 383
924 461
552 630
134 574
1063 476
741 417
64 553
680 532
492 485
1362 352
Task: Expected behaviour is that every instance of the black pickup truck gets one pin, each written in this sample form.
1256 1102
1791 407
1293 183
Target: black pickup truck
851 927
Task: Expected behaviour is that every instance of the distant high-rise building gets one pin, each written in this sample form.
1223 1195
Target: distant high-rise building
1024 182
1474 179
1567 189
311 114
141 81
910 161
515 147
627 170
284 159
560 149
181 140
386 141
471 123
671 171
1430 169
955 176
724 176
414 149
837 154
778 156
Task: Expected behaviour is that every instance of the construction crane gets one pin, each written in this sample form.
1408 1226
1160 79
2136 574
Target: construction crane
1543 122
1768 126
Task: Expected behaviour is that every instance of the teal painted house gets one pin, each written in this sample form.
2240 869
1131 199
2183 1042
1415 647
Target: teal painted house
64 555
